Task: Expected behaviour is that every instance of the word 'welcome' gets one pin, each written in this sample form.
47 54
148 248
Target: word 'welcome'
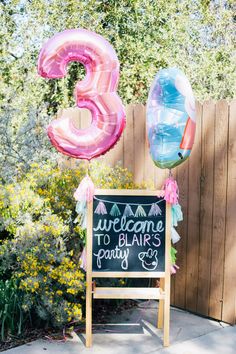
123 224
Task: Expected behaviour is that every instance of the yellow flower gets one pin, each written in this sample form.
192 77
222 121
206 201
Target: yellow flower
71 291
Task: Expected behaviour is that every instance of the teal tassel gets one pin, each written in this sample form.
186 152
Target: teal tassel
175 237
84 222
176 214
115 211
80 206
140 211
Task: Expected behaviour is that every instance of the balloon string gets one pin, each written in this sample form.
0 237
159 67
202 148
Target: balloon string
88 165
170 173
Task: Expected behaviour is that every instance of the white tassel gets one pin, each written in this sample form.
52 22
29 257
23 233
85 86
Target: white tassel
155 210
83 260
175 237
128 211
140 212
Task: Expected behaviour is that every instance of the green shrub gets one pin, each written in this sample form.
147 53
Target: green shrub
41 243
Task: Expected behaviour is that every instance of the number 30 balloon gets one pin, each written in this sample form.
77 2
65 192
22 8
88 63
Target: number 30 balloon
170 118
97 92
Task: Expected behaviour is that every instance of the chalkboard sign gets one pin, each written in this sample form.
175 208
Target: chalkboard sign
128 233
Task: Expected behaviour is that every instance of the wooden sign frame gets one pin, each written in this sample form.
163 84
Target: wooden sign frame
162 293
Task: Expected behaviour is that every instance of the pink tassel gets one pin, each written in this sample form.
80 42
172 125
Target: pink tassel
83 260
85 191
101 209
171 191
173 269
160 194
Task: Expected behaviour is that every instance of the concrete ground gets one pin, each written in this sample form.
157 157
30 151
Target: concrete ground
134 332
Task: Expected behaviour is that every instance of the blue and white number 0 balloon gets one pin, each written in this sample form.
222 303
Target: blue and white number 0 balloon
171 120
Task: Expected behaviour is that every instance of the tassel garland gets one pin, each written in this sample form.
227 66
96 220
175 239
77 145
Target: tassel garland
129 210
175 237
81 211
173 269
171 191
171 195
173 252
83 260
176 214
85 191
83 194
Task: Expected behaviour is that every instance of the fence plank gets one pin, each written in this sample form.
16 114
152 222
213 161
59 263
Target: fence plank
149 167
172 290
193 217
219 207
129 139
207 174
206 254
116 154
180 277
229 291
159 176
139 139
173 277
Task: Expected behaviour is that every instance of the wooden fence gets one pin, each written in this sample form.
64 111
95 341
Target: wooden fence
206 281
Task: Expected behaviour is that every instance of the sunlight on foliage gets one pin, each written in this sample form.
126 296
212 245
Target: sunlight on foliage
196 36
41 244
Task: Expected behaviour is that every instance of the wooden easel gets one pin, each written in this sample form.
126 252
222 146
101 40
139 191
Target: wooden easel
162 293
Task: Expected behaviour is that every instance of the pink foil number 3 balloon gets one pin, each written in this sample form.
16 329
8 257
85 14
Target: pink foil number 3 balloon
97 92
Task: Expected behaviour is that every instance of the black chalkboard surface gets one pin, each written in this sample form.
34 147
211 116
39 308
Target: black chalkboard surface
128 233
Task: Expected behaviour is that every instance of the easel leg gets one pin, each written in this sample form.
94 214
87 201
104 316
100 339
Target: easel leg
89 275
161 306
89 313
167 278
167 313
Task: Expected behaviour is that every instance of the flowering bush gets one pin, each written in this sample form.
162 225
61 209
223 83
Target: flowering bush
41 243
